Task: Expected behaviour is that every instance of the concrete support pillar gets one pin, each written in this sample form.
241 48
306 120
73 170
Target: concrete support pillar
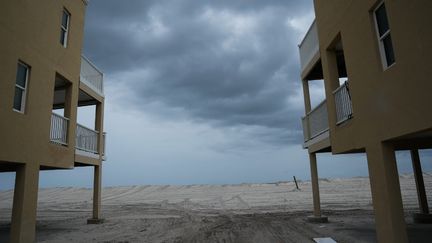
331 83
99 125
386 194
424 216
418 174
306 95
317 217
23 224
97 183
70 111
307 103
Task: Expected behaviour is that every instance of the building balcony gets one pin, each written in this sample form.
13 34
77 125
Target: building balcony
315 125
91 76
309 47
316 122
344 110
86 139
59 127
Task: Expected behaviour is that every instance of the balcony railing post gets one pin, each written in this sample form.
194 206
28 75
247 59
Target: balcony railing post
343 103
59 129
86 139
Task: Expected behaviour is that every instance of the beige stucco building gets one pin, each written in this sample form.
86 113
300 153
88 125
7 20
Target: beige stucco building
44 81
374 59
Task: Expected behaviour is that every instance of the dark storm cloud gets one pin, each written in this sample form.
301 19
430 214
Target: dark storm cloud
228 63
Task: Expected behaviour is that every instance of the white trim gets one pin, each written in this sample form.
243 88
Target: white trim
60 116
94 84
309 48
24 89
381 38
87 154
323 135
17 111
91 86
91 64
307 32
316 107
88 128
384 35
343 120
65 29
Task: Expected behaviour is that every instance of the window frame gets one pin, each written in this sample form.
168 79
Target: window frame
382 37
23 89
65 29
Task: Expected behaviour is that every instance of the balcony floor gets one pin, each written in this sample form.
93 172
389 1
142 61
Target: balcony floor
320 143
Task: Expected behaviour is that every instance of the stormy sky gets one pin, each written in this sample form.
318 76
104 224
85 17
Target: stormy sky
202 92
228 64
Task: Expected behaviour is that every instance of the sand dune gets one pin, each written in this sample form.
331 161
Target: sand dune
272 212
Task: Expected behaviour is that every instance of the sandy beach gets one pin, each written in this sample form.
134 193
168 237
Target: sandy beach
272 212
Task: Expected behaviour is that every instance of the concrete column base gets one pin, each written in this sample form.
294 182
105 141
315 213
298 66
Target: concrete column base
386 194
95 221
422 218
317 219
23 223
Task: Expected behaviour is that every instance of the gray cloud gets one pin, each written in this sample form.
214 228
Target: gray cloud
227 63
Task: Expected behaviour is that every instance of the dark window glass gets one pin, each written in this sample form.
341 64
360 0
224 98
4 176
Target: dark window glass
18 99
381 18
388 47
21 75
65 19
63 36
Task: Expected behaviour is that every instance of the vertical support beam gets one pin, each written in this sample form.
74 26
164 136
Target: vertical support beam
70 111
418 174
386 194
68 101
306 95
97 183
307 103
317 217
424 217
24 209
97 191
99 124
331 83
315 184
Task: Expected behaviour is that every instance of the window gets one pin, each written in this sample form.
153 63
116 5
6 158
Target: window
21 84
384 37
64 28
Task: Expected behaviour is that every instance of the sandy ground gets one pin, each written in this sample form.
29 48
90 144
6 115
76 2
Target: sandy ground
273 212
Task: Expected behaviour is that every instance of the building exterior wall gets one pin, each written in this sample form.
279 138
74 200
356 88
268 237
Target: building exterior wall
30 33
390 103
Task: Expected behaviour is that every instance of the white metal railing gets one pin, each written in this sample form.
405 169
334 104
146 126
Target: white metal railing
343 103
316 121
86 139
59 128
91 76
309 46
